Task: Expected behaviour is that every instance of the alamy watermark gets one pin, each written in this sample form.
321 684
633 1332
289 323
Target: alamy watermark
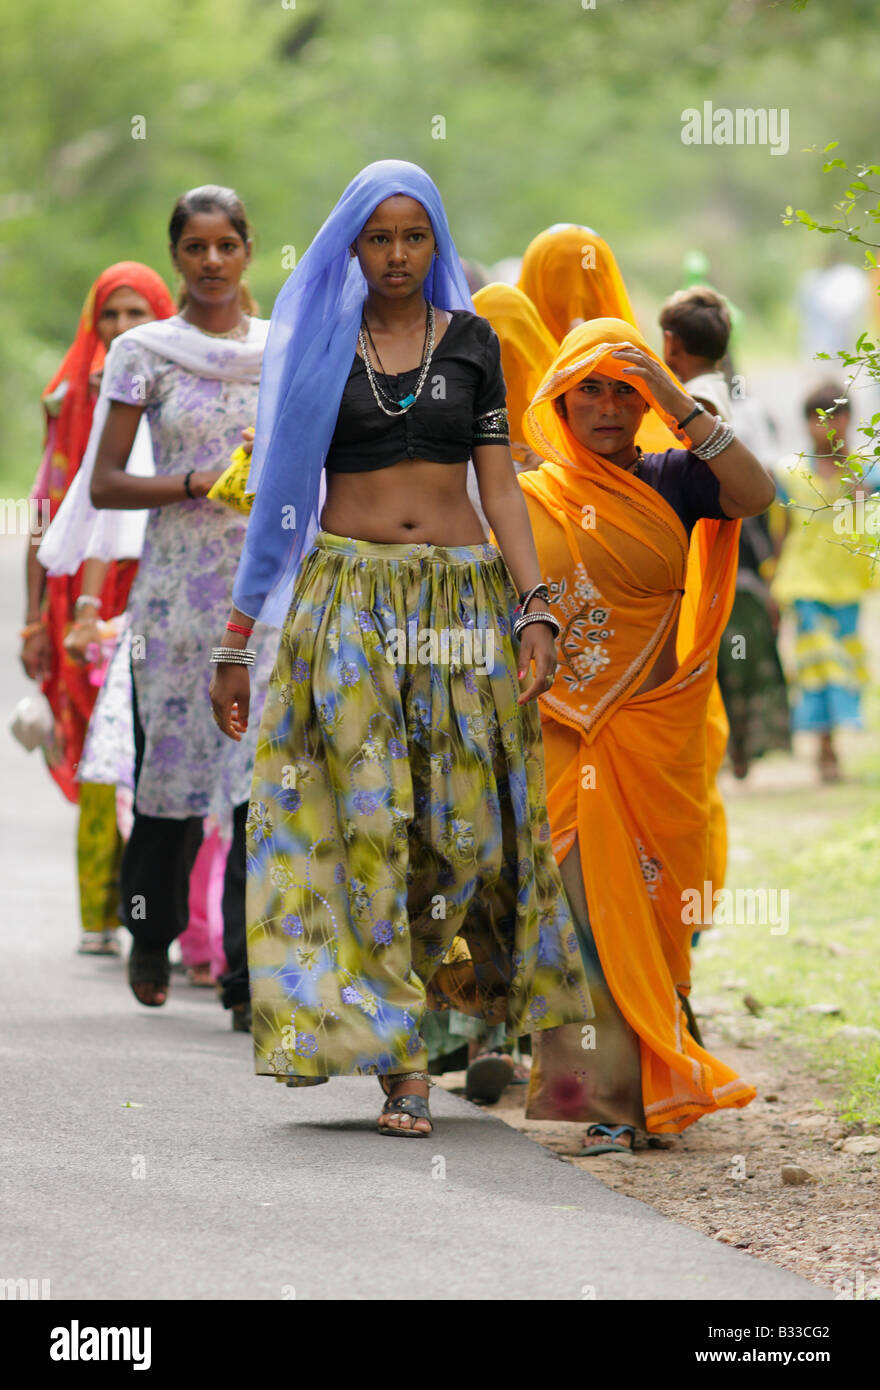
25 516
743 126
736 907
852 517
427 646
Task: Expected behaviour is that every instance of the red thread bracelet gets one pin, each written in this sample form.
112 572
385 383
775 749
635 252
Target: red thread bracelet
235 627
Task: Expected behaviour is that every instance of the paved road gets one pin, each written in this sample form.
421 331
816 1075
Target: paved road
142 1159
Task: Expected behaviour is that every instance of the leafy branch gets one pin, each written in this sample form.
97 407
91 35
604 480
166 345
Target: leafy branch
856 219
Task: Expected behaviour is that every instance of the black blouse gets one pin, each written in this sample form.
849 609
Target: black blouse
462 404
686 483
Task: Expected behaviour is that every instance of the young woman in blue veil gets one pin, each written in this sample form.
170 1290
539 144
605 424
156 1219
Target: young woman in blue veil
398 847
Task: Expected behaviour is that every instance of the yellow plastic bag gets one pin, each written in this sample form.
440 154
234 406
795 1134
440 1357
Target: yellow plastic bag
231 486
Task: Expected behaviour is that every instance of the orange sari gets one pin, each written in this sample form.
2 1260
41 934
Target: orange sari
571 275
627 773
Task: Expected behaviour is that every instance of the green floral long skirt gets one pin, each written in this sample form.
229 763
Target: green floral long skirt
398 845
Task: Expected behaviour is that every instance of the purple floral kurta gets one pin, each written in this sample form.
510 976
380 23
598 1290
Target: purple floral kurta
180 600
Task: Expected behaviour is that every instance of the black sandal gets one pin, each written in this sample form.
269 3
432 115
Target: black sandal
146 967
414 1105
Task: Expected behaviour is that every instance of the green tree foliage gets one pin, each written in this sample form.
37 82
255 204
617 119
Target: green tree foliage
855 218
549 110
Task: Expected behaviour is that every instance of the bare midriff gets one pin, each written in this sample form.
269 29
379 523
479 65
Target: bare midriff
414 500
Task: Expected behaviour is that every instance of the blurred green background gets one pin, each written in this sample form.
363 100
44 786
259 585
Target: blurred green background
553 112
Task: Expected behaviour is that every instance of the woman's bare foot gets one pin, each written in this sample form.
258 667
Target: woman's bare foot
152 995
200 975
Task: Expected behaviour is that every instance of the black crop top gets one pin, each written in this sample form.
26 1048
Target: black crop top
463 403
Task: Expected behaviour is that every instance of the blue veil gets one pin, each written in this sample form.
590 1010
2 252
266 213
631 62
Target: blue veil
308 356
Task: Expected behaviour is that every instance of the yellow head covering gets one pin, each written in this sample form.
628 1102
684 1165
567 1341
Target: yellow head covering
527 349
570 275
587 348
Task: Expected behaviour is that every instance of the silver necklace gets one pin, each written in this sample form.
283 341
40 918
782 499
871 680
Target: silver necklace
406 402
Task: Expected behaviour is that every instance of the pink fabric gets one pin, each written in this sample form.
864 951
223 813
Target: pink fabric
203 939
40 489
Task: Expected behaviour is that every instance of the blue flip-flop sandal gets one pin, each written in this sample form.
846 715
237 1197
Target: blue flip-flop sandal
610 1136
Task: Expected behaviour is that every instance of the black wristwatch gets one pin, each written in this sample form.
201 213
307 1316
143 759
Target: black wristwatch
539 591
697 410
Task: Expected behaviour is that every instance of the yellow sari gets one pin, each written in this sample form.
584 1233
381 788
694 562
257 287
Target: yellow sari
627 773
527 349
570 275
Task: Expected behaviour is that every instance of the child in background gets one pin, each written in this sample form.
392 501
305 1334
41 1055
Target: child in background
696 332
821 577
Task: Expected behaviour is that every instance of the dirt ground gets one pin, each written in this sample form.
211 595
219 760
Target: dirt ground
723 1176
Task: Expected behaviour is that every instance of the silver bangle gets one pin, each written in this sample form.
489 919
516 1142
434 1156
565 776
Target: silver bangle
87 598
525 618
716 443
711 437
232 656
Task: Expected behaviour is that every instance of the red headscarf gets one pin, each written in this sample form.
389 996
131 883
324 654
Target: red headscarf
86 355
68 687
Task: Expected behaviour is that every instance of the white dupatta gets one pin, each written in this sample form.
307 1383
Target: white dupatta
79 531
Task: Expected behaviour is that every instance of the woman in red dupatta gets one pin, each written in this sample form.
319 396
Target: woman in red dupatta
624 723
125 294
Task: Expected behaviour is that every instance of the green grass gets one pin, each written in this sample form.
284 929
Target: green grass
823 846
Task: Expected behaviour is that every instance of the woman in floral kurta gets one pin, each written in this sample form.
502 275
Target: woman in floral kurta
196 377
182 589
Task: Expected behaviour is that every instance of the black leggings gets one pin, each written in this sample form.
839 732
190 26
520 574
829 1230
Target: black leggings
154 882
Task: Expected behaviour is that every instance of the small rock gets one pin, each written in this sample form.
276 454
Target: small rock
817 1122
823 1009
850 1032
861 1144
837 950
793 1175
771 1097
752 1004
725 1236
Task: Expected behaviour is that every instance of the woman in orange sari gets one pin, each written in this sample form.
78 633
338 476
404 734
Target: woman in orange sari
571 276
624 722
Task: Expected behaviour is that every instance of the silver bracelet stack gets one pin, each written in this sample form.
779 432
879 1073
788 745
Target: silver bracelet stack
721 437
232 656
525 618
